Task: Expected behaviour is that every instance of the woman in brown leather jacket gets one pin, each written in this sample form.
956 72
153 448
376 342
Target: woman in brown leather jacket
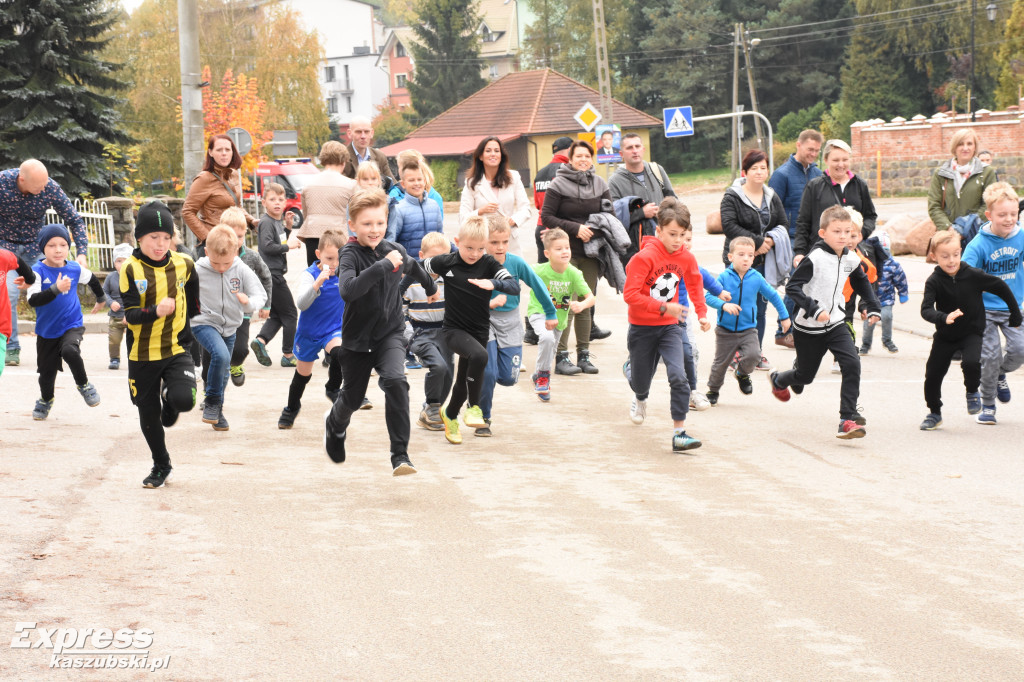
217 187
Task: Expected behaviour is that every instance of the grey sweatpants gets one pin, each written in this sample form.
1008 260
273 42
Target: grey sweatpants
429 346
547 341
726 345
645 344
994 361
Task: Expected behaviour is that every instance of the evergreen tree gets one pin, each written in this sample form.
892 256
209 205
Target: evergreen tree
58 98
446 54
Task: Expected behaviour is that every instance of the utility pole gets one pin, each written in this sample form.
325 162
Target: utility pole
191 92
604 80
734 156
753 92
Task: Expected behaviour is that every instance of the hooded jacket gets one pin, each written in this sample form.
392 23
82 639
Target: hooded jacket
817 286
963 291
744 292
945 204
821 193
653 277
370 286
1000 257
570 200
741 218
219 307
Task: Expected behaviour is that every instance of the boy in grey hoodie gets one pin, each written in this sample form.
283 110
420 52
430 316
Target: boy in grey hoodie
228 289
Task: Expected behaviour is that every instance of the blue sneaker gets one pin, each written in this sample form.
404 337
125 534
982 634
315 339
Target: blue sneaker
987 416
973 403
1002 389
931 422
411 362
681 442
259 349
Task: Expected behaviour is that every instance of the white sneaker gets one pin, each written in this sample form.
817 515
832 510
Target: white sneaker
835 368
638 411
699 401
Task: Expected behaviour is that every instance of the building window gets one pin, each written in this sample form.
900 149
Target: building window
401 80
493 71
348 104
486 35
346 75
328 74
332 105
399 50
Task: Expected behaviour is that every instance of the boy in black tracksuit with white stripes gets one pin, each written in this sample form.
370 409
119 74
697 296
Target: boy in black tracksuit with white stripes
820 321
370 272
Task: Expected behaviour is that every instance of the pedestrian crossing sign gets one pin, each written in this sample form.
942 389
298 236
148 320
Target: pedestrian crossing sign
678 121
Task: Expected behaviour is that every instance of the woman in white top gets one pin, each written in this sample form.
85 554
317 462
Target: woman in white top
325 199
492 188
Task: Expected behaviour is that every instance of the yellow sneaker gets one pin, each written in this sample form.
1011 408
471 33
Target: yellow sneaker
473 417
451 429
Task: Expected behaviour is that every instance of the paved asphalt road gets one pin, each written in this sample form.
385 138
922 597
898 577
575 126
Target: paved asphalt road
572 545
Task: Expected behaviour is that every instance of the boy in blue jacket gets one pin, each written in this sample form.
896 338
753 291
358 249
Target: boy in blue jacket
737 321
505 342
892 282
416 213
999 250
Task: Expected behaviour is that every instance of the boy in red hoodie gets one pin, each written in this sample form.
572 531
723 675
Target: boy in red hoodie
653 277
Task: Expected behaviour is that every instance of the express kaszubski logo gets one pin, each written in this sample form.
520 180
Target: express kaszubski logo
92 647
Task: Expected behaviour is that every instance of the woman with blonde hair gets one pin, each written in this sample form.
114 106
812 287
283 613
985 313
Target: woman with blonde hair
955 195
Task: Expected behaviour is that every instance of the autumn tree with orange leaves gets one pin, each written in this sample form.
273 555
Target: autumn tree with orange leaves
236 104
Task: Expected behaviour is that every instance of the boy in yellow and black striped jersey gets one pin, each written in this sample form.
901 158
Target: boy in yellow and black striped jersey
160 292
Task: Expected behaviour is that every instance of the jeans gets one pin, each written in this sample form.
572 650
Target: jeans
869 329
502 368
219 348
30 254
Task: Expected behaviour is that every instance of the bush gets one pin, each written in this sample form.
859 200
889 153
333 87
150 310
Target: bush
795 122
446 179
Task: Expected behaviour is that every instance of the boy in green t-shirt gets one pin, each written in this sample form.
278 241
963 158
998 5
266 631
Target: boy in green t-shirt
563 282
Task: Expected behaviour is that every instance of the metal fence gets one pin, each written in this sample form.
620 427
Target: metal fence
99 227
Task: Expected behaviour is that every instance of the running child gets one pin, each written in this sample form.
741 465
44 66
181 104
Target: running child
228 289
653 276
112 293
469 277
234 218
59 322
160 292
736 331
816 287
567 290
26 277
319 328
426 317
998 249
274 247
954 302
370 271
505 339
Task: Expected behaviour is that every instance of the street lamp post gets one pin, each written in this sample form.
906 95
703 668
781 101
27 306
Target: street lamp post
991 9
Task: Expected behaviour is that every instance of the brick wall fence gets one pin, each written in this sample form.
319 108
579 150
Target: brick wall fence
912 150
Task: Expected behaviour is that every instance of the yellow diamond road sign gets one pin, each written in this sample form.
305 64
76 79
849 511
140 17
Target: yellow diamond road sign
588 116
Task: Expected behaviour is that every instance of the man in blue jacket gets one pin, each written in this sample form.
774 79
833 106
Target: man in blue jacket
789 181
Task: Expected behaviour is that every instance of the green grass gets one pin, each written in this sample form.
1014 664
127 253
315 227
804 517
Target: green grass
714 179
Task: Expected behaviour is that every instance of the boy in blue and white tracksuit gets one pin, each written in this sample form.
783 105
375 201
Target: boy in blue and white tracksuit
998 249
737 320
505 339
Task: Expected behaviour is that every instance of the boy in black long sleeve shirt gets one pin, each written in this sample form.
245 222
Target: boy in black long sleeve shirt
370 271
274 248
953 303
469 275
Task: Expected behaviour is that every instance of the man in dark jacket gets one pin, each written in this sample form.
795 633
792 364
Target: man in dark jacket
360 134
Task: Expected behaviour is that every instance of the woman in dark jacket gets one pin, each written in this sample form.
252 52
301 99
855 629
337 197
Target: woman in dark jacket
839 186
750 208
574 194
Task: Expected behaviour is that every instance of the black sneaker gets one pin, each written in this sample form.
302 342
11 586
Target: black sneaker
891 347
584 364
259 349
530 336
401 466
484 431
287 418
211 412
221 423
333 443
597 334
564 365
168 415
712 397
366 404
745 385
864 350
157 477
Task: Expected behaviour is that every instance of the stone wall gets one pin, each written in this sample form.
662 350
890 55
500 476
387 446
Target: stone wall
912 150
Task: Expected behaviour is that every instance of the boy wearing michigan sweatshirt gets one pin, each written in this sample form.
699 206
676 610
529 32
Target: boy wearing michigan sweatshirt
737 319
820 325
999 250
653 276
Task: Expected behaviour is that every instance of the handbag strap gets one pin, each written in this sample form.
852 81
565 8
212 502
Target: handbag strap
234 198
